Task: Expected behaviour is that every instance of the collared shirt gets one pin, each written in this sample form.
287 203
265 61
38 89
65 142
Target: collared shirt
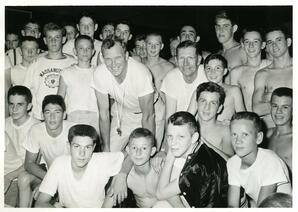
204 179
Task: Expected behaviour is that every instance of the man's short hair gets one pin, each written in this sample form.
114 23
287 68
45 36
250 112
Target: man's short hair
253 29
219 57
84 37
142 133
125 22
29 38
31 21
283 91
184 118
188 43
83 130
227 14
55 100
250 116
213 88
87 15
139 37
53 27
21 91
12 33
187 24
110 42
154 34
281 28
277 200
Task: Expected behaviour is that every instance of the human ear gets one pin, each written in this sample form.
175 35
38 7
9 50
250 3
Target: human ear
220 109
195 137
127 149
161 46
289 42
260 136
64 115
63 39
130 36
235 28
225 71
95 27
153 150
198 39
263 45
45 40
29 106
199 59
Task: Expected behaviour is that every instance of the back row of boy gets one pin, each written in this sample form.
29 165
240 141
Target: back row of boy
176 89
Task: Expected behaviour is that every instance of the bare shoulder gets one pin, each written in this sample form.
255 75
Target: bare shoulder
222 126
166 64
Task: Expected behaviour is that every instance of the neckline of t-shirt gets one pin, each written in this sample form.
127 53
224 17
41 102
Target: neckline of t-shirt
22 125
60 135
252 165
84 174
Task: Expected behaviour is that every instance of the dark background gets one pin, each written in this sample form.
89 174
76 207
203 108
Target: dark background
165 19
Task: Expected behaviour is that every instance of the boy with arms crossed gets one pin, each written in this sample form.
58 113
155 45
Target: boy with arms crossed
80 178
74 85
259 171
50 139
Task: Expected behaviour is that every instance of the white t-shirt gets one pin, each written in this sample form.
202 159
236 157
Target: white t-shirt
87 192
14 155
50 147
175 86
18 74
69 46
79 94
137 83
267 169
43 79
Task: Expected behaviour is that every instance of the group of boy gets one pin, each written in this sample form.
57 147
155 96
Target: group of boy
97 89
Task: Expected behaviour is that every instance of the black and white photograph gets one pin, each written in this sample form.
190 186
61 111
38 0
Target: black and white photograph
147 104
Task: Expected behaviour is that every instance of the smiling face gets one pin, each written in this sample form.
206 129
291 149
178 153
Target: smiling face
215 71
281 110
140 48
252 44
187 60
277 44
115 59
81 149
153 45
140 150
245 138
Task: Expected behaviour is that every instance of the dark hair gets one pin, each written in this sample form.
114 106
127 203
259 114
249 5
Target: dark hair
29 38
188 43
184 25
21 91
253 29
281 28
139 37
84 37
31 21
12 33
53 99
227 14
83 130
142 133
213 88
250 116
184 118
125 22
110 42
216 57
53 27
277 200
283 91
87 15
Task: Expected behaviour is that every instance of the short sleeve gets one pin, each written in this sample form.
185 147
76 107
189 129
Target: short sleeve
169 85
274 171
98 80
113 162
30 144
144 84
49 184
233 176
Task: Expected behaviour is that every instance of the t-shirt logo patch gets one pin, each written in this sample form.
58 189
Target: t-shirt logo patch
52 80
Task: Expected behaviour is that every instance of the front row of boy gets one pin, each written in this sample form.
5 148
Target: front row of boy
193 175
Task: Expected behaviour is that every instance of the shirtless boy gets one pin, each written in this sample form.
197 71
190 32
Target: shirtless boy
280 137
244 75
278 74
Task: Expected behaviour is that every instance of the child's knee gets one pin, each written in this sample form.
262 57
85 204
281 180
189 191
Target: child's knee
24 180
